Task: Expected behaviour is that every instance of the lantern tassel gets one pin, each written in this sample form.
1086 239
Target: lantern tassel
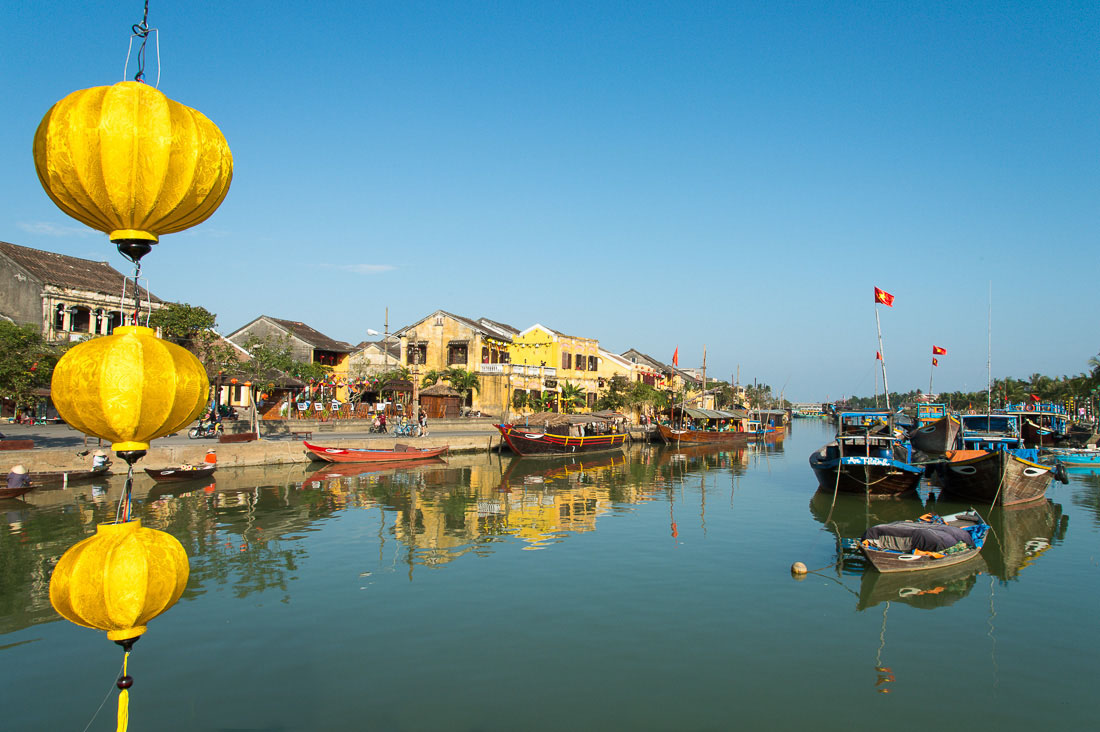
124 684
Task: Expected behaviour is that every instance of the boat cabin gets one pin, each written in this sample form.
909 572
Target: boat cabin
712 420
928 413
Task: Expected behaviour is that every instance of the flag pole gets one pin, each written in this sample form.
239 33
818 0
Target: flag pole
931 370
882 355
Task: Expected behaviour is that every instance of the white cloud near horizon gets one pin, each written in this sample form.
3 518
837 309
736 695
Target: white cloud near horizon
46 228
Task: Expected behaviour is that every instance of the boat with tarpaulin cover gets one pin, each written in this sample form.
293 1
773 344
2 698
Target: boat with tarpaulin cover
692 425
930 541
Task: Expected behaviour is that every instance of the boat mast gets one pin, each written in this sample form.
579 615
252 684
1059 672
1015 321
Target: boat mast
703 398
989 354
882 357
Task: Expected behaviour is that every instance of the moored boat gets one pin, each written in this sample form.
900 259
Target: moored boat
992 467
397 453
527 441
691 425
866 457
936 430
65 477
929 542
1042 424
1077 457
181 473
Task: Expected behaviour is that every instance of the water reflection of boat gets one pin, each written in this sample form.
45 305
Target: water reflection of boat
350 470
925 590
1020 535
852 515
526 472
712 454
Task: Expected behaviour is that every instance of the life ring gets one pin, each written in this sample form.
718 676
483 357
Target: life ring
1029 407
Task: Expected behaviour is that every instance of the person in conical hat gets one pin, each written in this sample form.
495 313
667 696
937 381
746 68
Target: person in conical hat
18 477
100 459
211 457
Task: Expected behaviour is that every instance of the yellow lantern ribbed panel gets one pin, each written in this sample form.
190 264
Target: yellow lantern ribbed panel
130 387
119 579
127 160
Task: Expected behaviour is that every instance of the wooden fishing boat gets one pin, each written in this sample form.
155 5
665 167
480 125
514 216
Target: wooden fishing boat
1003 477
992 467
527 441
936 437
866 457
1042 424
14 492
673 436
65 477
181 473
397 453
928 542
936 430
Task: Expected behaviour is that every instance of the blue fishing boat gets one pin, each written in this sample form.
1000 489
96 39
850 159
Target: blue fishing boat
869 456
1076 457
1042 424
936 430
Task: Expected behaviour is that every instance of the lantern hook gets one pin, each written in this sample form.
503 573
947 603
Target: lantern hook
142 30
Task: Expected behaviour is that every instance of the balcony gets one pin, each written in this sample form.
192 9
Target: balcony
490 368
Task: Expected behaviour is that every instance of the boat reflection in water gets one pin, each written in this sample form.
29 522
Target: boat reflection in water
853 514
930 588
1019 536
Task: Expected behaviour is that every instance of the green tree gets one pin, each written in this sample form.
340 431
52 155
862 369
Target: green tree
431 378
26 363
180 322
544 402
572 396
462 381
617 395
271 358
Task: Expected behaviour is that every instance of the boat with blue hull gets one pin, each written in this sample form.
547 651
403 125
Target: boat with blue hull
1075 457
868 457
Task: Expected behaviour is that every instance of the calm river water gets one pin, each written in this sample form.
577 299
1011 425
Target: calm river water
649 591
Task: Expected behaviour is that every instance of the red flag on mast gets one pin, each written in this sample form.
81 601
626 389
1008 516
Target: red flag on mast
935 361
884 297
676 357
878 356
937 351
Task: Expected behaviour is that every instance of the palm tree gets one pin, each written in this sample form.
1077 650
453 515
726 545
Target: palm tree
431 378
462 381
572 395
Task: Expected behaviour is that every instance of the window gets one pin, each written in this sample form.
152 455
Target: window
457 354
80 320
114 320
591 399
567 360
59 318
485 354
417 353
593 363
580 362
519 398
439 320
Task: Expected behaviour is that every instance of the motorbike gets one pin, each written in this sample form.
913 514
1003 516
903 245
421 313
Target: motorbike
205 429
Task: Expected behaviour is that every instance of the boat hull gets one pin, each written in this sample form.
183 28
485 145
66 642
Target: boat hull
354 455
67 476
874 477
936 437
993 476
1077 457
529 442
887 561
15 492
672 436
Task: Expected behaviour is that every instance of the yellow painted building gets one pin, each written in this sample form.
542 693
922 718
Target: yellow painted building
544 360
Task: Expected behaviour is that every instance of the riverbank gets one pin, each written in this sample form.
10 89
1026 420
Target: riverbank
61 448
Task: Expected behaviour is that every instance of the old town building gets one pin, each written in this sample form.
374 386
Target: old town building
68 297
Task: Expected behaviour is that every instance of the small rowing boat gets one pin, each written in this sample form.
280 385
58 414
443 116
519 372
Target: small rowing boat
924 543
397 453
181 473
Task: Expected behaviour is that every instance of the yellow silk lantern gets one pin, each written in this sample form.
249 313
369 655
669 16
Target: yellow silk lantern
127 160
119 579
129 387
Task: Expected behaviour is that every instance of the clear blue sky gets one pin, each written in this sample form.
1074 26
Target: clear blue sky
650 174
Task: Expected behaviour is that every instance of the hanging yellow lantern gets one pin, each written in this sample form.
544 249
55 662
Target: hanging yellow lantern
127 160
119 579
129 387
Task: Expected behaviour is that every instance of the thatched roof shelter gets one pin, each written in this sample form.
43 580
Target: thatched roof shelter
553 419
397 385
439 390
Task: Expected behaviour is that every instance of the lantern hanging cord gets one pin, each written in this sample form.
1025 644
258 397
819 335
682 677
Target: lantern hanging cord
114 686
142 30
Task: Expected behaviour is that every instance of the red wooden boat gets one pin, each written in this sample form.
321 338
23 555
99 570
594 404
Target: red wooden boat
398 453
184 472
14 492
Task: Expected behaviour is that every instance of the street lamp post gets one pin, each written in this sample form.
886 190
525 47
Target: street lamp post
414 408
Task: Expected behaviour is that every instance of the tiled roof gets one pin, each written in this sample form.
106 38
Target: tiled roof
61 270
313 337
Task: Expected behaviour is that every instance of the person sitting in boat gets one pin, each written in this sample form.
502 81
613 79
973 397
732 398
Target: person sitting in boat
211 457
100 460
18 478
